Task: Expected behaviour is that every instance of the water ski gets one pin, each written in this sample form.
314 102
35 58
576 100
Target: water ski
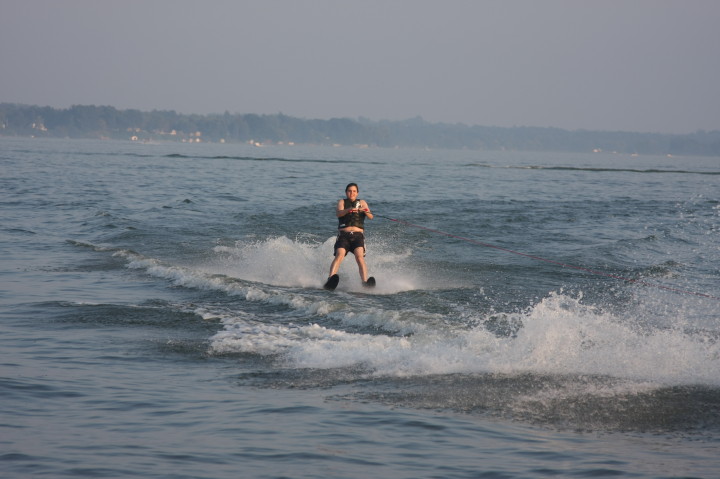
332 282
370 283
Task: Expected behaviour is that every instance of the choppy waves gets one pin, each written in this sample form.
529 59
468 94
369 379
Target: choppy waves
378 335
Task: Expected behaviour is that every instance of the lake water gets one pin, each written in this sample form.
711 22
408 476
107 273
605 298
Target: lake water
536 314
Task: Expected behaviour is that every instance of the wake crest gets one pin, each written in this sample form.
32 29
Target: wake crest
378 335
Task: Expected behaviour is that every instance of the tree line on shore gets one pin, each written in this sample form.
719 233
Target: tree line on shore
89 121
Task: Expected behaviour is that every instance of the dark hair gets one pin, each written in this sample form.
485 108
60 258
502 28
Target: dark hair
352 184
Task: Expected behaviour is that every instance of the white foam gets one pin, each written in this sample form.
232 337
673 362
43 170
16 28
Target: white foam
281 261
559 335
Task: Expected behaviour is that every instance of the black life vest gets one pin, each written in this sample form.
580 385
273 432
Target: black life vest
352 219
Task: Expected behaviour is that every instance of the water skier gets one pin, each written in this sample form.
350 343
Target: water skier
351 213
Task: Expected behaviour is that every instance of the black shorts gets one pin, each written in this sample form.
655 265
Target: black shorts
349 240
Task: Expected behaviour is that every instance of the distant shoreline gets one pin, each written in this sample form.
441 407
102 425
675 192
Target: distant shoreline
106 122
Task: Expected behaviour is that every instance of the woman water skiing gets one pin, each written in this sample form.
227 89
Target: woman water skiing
351 213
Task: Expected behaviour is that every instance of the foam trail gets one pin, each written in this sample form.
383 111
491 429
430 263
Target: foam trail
560 336
283 262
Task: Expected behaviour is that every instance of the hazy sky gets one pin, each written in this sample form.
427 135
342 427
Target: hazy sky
634 65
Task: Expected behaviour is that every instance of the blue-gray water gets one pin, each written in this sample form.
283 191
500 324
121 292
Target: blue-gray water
162 315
